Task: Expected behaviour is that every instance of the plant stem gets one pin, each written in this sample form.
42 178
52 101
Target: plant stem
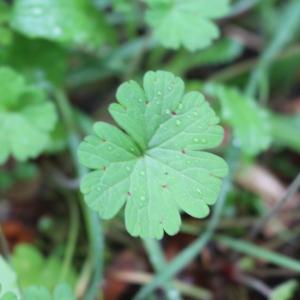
187 255
157 259
4 245
83 279
93 225
72 239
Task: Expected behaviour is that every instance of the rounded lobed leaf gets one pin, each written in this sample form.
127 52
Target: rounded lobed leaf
158 166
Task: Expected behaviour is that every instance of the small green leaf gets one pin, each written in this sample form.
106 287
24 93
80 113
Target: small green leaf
37 293
8 280
285 130
9 296
32 268
285 291
26 117
250 122
61 292
67 21
128 9
187 23
159 166
28 269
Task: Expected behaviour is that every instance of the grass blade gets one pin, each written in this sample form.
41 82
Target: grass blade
259 252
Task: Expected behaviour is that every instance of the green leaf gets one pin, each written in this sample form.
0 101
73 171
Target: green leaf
37 293
285 130
129 9
186 23
8 280
4 12
61 292
37 67
26 117
159 166
32 268
5 32
122 6
28 269
6 36
285 291
9 296
67 21
250 123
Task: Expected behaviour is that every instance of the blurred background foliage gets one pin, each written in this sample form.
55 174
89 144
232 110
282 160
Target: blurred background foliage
60 64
